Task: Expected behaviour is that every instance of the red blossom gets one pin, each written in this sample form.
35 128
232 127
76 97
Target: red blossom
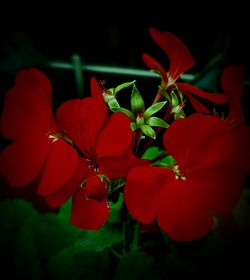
37 144
106 144
179 56
232 82
180 60
90 208
205 179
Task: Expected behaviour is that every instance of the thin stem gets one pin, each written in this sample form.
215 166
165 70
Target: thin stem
126 234
115 253
158 96
137 140
136 237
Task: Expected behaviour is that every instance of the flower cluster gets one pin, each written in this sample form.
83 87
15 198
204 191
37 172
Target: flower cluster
176 168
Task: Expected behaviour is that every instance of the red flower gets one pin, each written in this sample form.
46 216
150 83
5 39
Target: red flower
204 179
37 145
180 61
232 82
106 144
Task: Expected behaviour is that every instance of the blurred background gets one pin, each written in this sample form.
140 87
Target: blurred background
115 34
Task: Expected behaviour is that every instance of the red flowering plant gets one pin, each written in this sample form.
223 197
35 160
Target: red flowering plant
159 166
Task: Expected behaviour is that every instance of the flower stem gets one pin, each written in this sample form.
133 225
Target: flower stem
126 234
137 140
136 237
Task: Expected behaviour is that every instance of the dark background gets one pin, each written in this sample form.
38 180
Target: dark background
115 33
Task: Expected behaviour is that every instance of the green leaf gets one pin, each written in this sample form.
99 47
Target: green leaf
147 130
153 152
125 111
24 261
61 266
138 265
114 216
93 265
73 263
179 114
174 98
154 109
165 94
133 126
155 121
102 239
48 227
137 103
181 97
113 103
167 161
122 86
108 96
14 213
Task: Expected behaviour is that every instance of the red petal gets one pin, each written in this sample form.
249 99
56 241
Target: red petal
60 166
181 213
119 167
21 161
232 82
96 91
88 214
155 65
27 106
115 137
180 58
197 105
60 196
219 186
247 152
142 187
95 188
217 98
243 132
34 78
199 141
82 120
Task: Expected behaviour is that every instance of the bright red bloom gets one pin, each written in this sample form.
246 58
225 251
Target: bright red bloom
179 56
205 179
106 144
180 61
38 146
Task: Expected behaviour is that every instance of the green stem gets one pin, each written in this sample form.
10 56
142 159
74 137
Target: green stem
136 237
131 234
126 234
158 96
137 140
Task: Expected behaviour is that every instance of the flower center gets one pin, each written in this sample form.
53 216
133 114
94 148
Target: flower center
178 174
93 165
55 136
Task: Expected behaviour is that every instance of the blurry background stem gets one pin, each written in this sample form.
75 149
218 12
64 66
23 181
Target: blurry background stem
77 66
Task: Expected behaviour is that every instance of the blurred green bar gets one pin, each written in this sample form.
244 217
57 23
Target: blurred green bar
114 70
